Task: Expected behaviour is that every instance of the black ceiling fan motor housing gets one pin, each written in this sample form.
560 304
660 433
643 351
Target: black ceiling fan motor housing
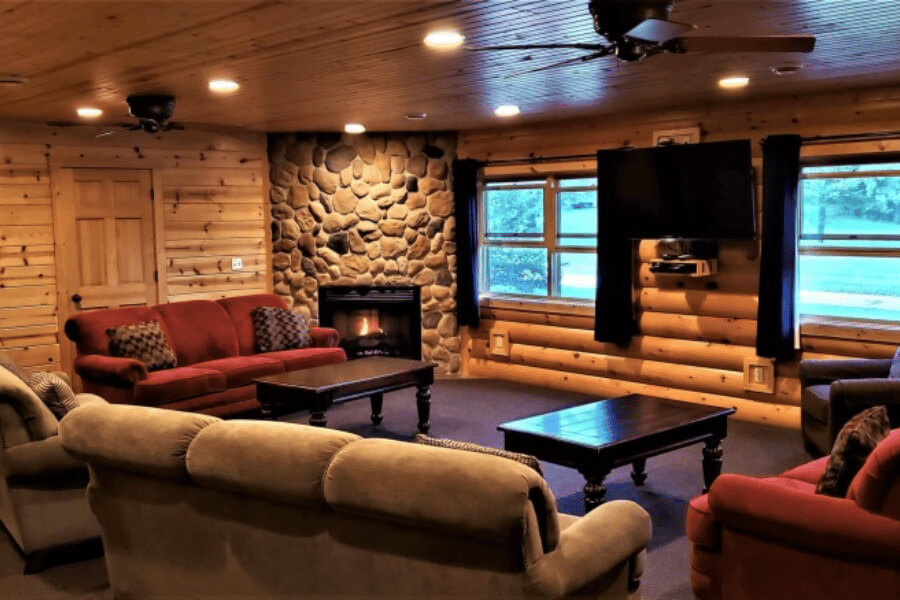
614 18
152 110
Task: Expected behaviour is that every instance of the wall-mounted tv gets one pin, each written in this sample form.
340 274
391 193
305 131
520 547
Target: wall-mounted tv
686 191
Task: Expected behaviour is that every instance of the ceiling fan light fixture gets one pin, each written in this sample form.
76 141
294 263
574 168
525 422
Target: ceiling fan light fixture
734 82
223 86
88 112
444 39
506 110
354 128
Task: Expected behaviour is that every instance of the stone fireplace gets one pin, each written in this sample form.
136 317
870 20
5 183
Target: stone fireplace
368 210
374 320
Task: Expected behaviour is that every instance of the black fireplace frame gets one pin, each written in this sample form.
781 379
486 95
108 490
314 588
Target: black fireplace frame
334 298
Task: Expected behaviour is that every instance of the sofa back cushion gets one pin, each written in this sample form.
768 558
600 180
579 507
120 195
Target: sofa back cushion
461 492
238 309
140 439
88 329
199 330
876 487
283 462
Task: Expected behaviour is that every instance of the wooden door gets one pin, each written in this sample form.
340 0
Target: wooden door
105 229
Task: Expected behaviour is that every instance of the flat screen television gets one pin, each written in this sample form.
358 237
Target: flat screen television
686 191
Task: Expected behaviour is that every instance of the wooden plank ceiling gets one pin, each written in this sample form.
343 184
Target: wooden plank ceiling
317 65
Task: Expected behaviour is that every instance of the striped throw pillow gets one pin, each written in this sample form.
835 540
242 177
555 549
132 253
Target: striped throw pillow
53 391
525 459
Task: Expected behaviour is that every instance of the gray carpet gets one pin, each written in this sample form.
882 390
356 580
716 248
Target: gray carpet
469 409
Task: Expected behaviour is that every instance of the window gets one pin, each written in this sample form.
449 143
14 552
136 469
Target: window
849 244
538 238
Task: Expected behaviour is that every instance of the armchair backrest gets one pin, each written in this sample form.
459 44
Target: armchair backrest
876 487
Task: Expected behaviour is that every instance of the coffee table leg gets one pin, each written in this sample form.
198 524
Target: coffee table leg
594 490
423 404
377 401
317 418
712 462
639 471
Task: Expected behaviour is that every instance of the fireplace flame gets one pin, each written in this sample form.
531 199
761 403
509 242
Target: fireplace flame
364 330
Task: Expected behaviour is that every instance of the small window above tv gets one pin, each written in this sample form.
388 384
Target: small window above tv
682 191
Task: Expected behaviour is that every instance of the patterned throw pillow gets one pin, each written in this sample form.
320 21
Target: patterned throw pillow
279 329
145 342
53 391
854 443
525 459
894 371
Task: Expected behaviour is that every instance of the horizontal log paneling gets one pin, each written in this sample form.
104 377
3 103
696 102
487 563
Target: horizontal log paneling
765 412
689 329
212 208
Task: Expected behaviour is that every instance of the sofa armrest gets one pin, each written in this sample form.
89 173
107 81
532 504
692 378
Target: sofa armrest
86 399
43 463
849 396
325 337
821 372
110 369
603 539
788 512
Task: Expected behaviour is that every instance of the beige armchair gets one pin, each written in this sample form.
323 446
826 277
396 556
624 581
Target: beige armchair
192 506
43 504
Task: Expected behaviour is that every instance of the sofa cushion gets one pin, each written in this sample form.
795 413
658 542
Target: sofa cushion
199 330
284 462
88 329
238 309
242 370
526 459
814 401
304 358
162 387
145 342
702 528
855 441
876 487
810 472
279 329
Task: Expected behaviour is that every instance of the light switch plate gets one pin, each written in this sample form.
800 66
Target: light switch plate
759 375
499 343
237 263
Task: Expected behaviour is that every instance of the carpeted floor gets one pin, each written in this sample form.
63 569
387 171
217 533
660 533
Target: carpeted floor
470 409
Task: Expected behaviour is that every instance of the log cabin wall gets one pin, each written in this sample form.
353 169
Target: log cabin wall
210 190
694 334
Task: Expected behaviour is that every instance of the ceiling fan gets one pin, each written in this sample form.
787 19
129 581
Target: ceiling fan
636 29
152 111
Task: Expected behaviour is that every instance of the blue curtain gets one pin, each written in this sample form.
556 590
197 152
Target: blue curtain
613 307
465 193
781 175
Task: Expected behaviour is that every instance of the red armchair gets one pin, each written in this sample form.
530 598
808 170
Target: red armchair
775 538
216 350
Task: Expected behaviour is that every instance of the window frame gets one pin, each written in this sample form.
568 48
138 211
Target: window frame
550 241
831 242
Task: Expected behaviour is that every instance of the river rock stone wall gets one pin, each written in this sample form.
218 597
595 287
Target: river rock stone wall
367 209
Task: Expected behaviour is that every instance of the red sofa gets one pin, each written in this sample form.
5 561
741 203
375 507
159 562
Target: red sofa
775 538
215 345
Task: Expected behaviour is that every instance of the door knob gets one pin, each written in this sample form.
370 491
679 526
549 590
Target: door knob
76 298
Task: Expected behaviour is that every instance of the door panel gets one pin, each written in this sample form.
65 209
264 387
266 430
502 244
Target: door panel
112 260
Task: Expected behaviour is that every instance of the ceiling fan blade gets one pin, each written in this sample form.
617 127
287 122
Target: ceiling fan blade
106 133
536 47
658 30
173 125
764 43
571 61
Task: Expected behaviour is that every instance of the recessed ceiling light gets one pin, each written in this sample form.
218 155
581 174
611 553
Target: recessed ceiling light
88 112
354 128
416 116
506 110
444 39
787 69
735 82
223 86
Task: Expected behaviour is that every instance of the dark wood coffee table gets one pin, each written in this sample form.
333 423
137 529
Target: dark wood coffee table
317 388
600 436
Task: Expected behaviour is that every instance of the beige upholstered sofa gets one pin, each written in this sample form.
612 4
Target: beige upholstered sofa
43 504
193 506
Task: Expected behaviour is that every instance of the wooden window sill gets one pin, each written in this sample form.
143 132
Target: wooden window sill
541 305
851 329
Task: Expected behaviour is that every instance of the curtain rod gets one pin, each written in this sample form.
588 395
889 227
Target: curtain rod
812 140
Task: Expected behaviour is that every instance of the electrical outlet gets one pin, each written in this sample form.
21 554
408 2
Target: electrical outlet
237 263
